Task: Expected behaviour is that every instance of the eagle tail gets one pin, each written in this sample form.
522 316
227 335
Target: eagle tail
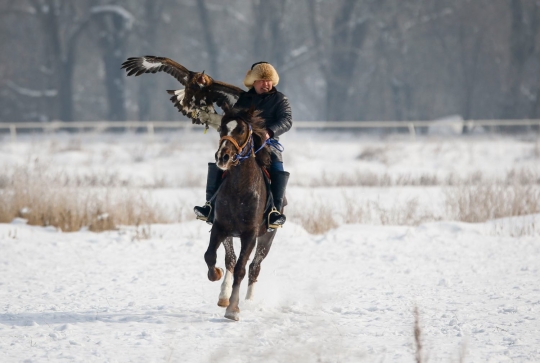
177 98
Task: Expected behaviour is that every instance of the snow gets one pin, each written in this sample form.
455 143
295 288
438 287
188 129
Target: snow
346 295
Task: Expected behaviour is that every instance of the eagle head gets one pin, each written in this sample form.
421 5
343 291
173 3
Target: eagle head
203 80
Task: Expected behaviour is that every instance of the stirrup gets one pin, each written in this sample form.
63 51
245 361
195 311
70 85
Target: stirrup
279 222
200 215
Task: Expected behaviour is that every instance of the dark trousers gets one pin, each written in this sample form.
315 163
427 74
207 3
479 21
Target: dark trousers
277 165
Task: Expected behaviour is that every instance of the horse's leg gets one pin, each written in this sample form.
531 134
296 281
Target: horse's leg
263 247
248 243
210 256
230 261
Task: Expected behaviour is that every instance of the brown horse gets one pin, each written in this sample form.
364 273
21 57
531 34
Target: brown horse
240 206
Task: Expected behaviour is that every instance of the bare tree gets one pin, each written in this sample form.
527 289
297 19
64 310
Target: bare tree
340 59
338 55
523 34
269 34
62 22
209 39
115 24
146 31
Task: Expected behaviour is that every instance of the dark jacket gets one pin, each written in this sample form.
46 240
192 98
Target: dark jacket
275 110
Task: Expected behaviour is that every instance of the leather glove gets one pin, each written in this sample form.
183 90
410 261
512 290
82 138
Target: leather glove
206 118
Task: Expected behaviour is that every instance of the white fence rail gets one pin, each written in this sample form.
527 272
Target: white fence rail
151 126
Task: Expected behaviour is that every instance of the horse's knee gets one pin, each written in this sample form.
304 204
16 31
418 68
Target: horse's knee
210 258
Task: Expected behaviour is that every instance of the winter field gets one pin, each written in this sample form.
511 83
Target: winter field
377 225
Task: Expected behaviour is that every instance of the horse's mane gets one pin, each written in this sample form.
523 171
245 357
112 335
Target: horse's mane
251 116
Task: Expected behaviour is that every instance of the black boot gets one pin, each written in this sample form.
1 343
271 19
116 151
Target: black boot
213 180
279 181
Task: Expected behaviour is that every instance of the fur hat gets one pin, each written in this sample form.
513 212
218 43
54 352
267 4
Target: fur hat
261 71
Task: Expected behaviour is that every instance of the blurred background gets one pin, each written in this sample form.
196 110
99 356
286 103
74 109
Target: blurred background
337 59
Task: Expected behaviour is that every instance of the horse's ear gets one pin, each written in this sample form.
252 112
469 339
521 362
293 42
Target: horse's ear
251 110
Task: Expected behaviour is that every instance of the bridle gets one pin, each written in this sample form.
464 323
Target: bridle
245 151
242 152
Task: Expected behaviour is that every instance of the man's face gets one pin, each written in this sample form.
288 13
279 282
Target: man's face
262 86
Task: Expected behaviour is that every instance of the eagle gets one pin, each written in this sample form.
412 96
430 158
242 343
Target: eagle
200 91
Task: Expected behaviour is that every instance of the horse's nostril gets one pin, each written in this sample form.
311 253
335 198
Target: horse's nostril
225 158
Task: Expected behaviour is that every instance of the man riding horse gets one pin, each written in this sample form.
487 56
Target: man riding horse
275 109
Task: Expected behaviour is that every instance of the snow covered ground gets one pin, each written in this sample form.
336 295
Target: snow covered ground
347 295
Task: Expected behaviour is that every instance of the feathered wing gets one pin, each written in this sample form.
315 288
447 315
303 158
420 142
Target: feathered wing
225 95
150 64
196 103
222 94
194 97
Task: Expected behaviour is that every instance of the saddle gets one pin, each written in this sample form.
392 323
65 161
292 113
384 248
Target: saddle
269 198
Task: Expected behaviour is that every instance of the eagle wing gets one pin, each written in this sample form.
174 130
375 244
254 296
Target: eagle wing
197 95
224 95
150 64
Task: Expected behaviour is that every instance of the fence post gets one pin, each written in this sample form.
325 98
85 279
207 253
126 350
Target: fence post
13 132
150 129
412 131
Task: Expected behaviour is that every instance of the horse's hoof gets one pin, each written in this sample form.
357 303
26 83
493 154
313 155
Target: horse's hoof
232 315
223 303
215 274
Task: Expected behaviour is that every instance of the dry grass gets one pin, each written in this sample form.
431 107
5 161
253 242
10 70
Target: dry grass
88 180
316 219
371 212
94 179
38 199
319 217
521 177
374 153
103 201
421 355
476 204
516 228
417 336
466 203
371 179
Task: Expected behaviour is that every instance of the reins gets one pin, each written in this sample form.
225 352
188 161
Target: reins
245 151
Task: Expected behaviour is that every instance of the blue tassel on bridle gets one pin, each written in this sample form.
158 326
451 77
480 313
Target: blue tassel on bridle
248 149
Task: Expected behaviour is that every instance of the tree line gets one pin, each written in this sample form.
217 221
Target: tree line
337 59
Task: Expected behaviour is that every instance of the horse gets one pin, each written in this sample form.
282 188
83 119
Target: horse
240 205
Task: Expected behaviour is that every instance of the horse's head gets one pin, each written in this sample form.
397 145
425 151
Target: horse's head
242 132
